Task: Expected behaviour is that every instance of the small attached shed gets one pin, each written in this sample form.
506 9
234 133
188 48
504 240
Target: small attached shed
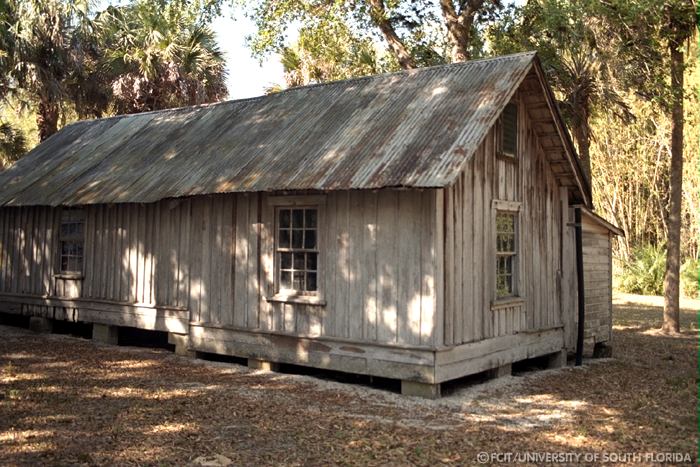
410 225
597 236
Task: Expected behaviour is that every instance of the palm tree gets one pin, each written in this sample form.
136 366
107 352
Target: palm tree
12 145
39 34
159 55
12 142
326 55
7 46
147 55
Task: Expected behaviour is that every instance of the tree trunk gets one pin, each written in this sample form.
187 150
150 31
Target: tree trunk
671 322
396 45
47 119
459 27
582 135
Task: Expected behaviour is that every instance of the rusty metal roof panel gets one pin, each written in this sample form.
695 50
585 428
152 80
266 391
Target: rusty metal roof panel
409 129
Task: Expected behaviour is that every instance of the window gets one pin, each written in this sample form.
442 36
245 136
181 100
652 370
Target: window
297 250
72 235
506 253
509 131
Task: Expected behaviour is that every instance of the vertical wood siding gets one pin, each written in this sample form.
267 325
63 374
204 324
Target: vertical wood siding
224 269
28 251
378 270
214 256
597 276
568 291
470 241
134 253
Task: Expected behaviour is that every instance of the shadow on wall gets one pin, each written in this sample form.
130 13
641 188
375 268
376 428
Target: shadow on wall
201 254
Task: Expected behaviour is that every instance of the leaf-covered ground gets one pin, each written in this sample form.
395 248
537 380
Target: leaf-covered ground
65 400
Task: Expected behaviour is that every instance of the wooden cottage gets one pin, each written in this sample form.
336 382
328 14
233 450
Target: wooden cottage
416 225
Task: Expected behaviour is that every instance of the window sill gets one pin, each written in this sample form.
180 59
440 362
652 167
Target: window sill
506 302
507 157
298 299
69 275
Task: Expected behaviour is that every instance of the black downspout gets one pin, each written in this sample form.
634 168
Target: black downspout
580 285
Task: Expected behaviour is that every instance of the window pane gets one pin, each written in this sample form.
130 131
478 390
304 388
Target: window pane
299 260
505 243
311 260
505 236
311 281
285 260
298 280
285 279
501 288
310 218
504 285
284 238
310 239
500 220
297 238
509 242
64 229
298 218
505 222
65 248
64 263
284 218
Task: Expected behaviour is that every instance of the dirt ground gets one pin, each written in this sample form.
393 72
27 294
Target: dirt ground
66 400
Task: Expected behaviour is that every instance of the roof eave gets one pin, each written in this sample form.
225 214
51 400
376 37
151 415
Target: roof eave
570 150
598 219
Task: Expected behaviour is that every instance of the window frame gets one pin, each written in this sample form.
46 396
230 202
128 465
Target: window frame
279 294
500 152
71 216
293 251
513 208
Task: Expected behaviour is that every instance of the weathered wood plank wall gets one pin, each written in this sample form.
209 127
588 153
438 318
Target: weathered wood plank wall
213 255
378 270
569 285
597 276
27 251
470 239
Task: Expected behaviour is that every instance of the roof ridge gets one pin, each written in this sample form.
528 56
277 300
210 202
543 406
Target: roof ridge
401 72
314 85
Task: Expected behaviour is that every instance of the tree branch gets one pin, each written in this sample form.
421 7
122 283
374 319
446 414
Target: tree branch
459 25
396 45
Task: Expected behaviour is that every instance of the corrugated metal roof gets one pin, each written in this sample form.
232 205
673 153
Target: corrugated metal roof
409 129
